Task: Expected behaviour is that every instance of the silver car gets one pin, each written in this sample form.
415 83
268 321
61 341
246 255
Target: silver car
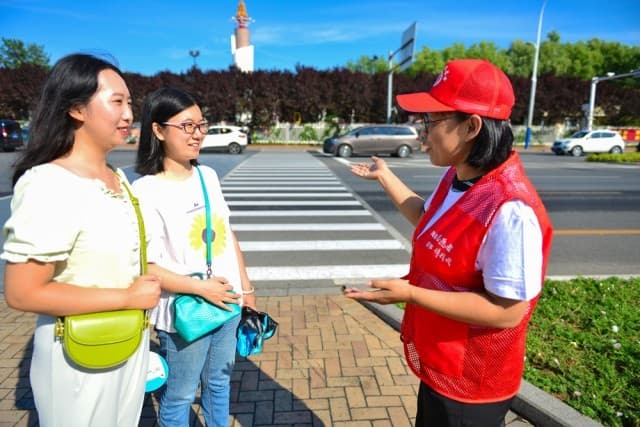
398 140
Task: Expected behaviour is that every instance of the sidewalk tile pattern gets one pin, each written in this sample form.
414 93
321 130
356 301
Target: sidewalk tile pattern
331 363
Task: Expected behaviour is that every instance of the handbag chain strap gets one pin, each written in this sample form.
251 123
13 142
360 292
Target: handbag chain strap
207 208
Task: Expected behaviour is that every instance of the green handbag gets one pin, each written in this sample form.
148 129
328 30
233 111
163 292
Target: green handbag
101 340
106 339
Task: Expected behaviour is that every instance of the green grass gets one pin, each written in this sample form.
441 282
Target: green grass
583 347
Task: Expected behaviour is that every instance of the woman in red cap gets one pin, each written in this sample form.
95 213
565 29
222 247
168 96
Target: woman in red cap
480 251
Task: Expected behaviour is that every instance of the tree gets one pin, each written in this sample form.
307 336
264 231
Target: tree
14 54
426 61
369 65
520 56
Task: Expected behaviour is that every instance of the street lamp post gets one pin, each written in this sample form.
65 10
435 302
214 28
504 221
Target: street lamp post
389 87
194 54
592 93
534 80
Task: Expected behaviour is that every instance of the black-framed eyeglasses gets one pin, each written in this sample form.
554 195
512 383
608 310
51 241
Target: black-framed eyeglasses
190 127
428 123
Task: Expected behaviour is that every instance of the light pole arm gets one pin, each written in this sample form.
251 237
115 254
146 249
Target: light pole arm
592 93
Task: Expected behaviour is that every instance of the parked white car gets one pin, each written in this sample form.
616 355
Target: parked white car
222 137
594 141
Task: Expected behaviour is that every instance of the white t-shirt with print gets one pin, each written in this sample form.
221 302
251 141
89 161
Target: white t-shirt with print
174 214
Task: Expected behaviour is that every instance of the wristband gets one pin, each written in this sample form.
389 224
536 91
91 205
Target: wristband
250 291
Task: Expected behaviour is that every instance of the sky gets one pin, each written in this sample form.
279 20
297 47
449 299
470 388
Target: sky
148 37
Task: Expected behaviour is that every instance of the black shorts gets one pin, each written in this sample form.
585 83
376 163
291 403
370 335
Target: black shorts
436 410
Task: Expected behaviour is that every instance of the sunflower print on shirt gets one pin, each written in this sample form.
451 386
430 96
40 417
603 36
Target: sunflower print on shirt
198 234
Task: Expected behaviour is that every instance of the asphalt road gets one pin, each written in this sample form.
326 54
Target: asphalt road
594 207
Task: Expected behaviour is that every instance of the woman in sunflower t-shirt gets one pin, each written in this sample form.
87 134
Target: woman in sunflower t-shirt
172 201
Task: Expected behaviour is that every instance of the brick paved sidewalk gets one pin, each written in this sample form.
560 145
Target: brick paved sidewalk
331 363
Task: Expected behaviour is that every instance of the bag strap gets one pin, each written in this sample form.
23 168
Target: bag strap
143 240
141 231
59 328
207 209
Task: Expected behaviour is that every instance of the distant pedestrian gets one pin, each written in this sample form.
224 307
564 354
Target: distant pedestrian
73 245
480 251
172 197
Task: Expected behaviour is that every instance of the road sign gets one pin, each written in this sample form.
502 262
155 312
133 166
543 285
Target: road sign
406 51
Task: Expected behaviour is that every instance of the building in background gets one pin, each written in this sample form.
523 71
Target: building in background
241 49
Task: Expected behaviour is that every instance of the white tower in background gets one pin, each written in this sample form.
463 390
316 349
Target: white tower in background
240 48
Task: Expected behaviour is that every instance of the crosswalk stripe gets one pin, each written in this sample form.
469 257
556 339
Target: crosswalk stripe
294 213
367 226
280 174
320 245
280 180
230 195
327 272
226 187
267 176
293 203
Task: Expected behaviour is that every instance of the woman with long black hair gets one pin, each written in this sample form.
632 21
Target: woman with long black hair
73 244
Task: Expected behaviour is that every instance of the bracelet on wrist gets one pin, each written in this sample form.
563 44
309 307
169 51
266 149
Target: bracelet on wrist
250 291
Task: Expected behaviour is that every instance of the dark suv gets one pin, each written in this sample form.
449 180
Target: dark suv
398 140
10 135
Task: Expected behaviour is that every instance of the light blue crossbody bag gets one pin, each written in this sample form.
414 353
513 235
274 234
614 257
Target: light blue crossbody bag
194 316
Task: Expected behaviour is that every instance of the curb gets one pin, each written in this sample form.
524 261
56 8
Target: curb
533 404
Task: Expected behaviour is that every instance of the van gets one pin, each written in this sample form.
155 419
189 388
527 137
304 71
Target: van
397 140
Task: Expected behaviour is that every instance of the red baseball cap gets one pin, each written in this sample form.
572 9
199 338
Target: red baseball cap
472 86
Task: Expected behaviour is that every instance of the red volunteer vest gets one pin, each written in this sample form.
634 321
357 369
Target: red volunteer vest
462 361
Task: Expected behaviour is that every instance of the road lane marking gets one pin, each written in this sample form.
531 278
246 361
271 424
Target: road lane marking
588 232
580 193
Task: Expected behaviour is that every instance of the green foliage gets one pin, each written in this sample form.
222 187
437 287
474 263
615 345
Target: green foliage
332 128
369 65
614 158
426 61
14 54
584 347
275 135
583 59
358 93
309 134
